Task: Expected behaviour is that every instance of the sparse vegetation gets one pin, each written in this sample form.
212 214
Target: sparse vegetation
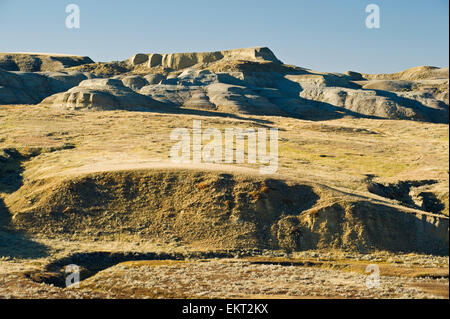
57 148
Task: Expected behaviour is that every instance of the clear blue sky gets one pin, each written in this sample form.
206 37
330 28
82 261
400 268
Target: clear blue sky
322 35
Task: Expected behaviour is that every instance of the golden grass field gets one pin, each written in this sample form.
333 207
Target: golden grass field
338 159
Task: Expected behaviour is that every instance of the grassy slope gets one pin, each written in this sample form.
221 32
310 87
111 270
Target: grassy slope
338 153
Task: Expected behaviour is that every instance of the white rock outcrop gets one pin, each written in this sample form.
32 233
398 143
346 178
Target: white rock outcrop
247 81
101 94
178 61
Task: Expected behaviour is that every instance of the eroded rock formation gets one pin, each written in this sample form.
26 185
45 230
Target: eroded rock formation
251 81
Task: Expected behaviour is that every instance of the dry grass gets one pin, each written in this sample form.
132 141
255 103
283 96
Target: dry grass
336 153
340 155
308 274
237 279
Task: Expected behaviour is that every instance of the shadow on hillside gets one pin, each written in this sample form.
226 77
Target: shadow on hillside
439 116
290 104
390 229
401 192
241 117
285 96
10 170
15 244
312 110
322 111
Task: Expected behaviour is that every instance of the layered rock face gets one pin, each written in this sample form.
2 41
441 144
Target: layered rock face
247 81
178 61
40 62
102 94
32 88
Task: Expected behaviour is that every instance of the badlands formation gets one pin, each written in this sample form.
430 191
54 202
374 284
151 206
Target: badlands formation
249 81
86 178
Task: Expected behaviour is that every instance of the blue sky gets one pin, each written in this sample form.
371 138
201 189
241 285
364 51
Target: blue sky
323 35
